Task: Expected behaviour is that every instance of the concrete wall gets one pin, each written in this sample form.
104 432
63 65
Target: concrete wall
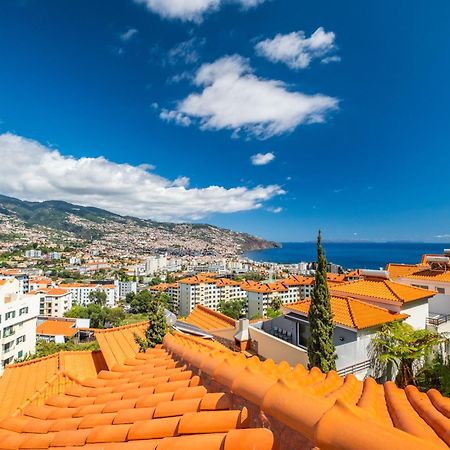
439 304
418 312
276 349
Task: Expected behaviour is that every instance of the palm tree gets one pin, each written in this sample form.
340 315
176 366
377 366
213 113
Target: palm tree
398 343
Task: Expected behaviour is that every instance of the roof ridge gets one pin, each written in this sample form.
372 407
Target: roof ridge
350 310
217 314
122 327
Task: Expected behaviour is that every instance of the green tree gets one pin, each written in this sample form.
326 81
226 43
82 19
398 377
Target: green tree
44 348
98 297
400 345
232 308
157 326
321 349
435 374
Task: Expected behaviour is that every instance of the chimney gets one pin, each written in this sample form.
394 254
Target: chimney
242 336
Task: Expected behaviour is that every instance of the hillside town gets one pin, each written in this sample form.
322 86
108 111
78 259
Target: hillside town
258 310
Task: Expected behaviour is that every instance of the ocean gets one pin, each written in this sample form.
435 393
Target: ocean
354 255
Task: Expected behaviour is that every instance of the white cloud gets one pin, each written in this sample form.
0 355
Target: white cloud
186 51
276 210
34 172
129 34
191 10
233 98
261 159
296 50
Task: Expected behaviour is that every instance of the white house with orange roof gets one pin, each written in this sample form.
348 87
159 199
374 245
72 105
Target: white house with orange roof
356 323
433 274
18 314
377 289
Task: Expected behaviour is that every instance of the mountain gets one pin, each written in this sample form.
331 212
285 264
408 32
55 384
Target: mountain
60 222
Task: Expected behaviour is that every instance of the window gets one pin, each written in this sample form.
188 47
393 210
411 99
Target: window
8 331
23 310
440 290
7 347
20 354
20 339
10 315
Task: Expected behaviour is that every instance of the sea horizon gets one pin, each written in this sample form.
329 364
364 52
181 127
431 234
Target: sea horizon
349 254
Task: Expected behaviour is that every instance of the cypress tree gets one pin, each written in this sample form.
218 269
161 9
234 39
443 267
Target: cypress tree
157 326
321 350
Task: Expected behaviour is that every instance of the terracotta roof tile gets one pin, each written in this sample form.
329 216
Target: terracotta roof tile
119 343
382 290
352 313
36 379
57 328
208 320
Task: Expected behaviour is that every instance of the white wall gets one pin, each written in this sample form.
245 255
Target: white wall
418 312
271 347
439 304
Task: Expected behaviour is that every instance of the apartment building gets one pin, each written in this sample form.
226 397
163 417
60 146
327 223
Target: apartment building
53 301
207 291
80 292
171 289
22 277
124 287
18 313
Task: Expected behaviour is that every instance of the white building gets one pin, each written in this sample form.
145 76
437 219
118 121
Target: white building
433 274
18 313
33 254
53 302
124 287
377 289
207 291
81 292
155 264
22 277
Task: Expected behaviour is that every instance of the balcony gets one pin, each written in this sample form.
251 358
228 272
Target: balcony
8 332
438 319
355 368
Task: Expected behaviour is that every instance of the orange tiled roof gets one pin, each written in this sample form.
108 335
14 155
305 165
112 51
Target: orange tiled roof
30 381
400 270
227 282
383 290
163 287
298 280
155 401
198 279
57 328
208 320
118 344
150 403
430 275
263 288
352 313
333 412
54 292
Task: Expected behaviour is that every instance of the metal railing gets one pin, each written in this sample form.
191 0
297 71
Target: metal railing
364 365
438 320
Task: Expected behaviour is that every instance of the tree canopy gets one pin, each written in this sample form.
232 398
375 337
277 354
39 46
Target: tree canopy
232 308
399 344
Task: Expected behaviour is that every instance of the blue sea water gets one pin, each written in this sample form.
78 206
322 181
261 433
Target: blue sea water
352 255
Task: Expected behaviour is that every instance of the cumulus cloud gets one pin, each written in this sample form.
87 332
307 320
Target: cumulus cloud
296 50
261 159
34 172
233 98
129 34
191 10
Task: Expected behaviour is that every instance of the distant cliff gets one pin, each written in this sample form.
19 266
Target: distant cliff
58 220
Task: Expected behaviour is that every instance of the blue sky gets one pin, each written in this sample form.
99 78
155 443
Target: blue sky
351 121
